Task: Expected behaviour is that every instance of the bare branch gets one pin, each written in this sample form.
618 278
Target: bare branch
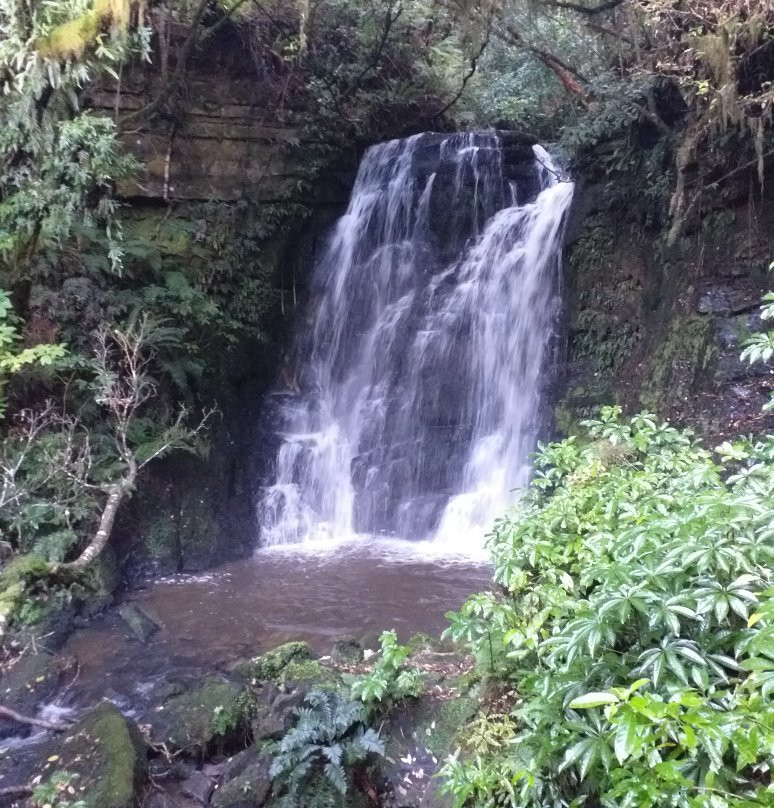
469 75
590 11
12 715
123 359
15 791
570 78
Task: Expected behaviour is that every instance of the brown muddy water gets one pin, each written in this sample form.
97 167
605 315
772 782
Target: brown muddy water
210 620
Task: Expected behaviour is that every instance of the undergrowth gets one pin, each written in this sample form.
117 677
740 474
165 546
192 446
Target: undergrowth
635 623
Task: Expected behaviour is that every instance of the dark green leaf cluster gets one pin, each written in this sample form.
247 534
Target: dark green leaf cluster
58 162
637 626
390 680
314 763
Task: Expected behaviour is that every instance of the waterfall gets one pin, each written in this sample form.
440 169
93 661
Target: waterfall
413 395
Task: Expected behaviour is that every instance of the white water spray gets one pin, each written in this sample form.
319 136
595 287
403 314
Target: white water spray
417 387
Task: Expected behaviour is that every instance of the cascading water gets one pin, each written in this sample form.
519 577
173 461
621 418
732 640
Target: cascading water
415 392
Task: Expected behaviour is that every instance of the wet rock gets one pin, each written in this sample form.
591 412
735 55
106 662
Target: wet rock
182 769
246 781
267 724
347 650
730 335
31 682
272 711
139 623
730 332
167 689
159 800
269 667
214 770
287 702
103 580
241 762
724 300
107 753
199 717
198 786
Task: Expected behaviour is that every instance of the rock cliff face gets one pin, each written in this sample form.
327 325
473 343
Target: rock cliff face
227 182
223 133
227 163
647 326
662 328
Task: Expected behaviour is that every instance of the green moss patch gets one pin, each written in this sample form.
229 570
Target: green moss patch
269 667
107 753
683 353
22 570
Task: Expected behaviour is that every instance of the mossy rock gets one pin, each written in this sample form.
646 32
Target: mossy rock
291 662
10 600
452 719
269 666
196 719
438 724
309 672
347 650
683 351
107 753
581 402
15 578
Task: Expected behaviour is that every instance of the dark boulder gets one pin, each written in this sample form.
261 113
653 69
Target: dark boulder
246 781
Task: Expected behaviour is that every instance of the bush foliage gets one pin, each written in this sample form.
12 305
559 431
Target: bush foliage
390 680
636 624
316 761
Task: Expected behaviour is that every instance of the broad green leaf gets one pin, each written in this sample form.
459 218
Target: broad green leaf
593 699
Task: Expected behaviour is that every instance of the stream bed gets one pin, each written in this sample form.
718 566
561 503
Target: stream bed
210 620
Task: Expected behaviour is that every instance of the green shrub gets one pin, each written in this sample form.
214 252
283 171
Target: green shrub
14 357
314 763
390 680
639 633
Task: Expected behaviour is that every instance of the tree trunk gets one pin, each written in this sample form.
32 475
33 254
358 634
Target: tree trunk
116 494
